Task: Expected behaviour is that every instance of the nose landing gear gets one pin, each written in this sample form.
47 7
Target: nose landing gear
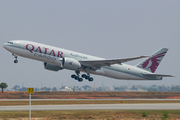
15 61
15 56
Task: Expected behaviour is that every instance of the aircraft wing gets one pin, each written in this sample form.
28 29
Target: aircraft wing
97 64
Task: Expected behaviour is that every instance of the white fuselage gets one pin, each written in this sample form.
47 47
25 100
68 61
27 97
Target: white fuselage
53 55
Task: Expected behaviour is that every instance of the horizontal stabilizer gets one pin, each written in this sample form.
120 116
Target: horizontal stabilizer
157 75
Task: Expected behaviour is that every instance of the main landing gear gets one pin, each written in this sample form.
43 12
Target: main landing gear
15 56
76 77
87 77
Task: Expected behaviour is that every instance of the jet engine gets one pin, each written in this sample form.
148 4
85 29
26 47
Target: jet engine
70 63
52 67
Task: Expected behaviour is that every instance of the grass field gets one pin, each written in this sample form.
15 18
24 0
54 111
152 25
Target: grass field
66 102
91 114
90 95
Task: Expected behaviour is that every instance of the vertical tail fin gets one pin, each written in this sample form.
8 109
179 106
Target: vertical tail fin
151 63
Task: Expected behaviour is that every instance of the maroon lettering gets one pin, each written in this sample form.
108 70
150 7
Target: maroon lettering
52 52
60 54
45 50
38 49
31 48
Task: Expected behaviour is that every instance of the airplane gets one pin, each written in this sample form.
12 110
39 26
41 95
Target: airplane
56 59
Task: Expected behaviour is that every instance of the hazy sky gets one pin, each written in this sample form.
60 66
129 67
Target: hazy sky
104 28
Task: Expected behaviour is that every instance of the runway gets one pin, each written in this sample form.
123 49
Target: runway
153 106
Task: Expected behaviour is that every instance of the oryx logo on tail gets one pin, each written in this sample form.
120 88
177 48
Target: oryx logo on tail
152 62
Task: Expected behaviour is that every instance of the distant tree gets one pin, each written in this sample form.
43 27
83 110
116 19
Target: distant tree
152 89
175 88
133 88
23 89
86 87
36 89
117 88
45 89
16 87
54 89
3 85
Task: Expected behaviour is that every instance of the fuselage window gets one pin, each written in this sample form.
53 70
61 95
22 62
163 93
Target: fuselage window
10 42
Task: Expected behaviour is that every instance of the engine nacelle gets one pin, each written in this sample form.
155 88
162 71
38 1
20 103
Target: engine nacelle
70 63
52 67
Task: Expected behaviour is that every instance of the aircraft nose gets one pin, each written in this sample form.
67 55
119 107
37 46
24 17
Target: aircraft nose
6 46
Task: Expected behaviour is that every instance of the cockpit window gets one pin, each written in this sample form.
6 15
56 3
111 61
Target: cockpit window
10 42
